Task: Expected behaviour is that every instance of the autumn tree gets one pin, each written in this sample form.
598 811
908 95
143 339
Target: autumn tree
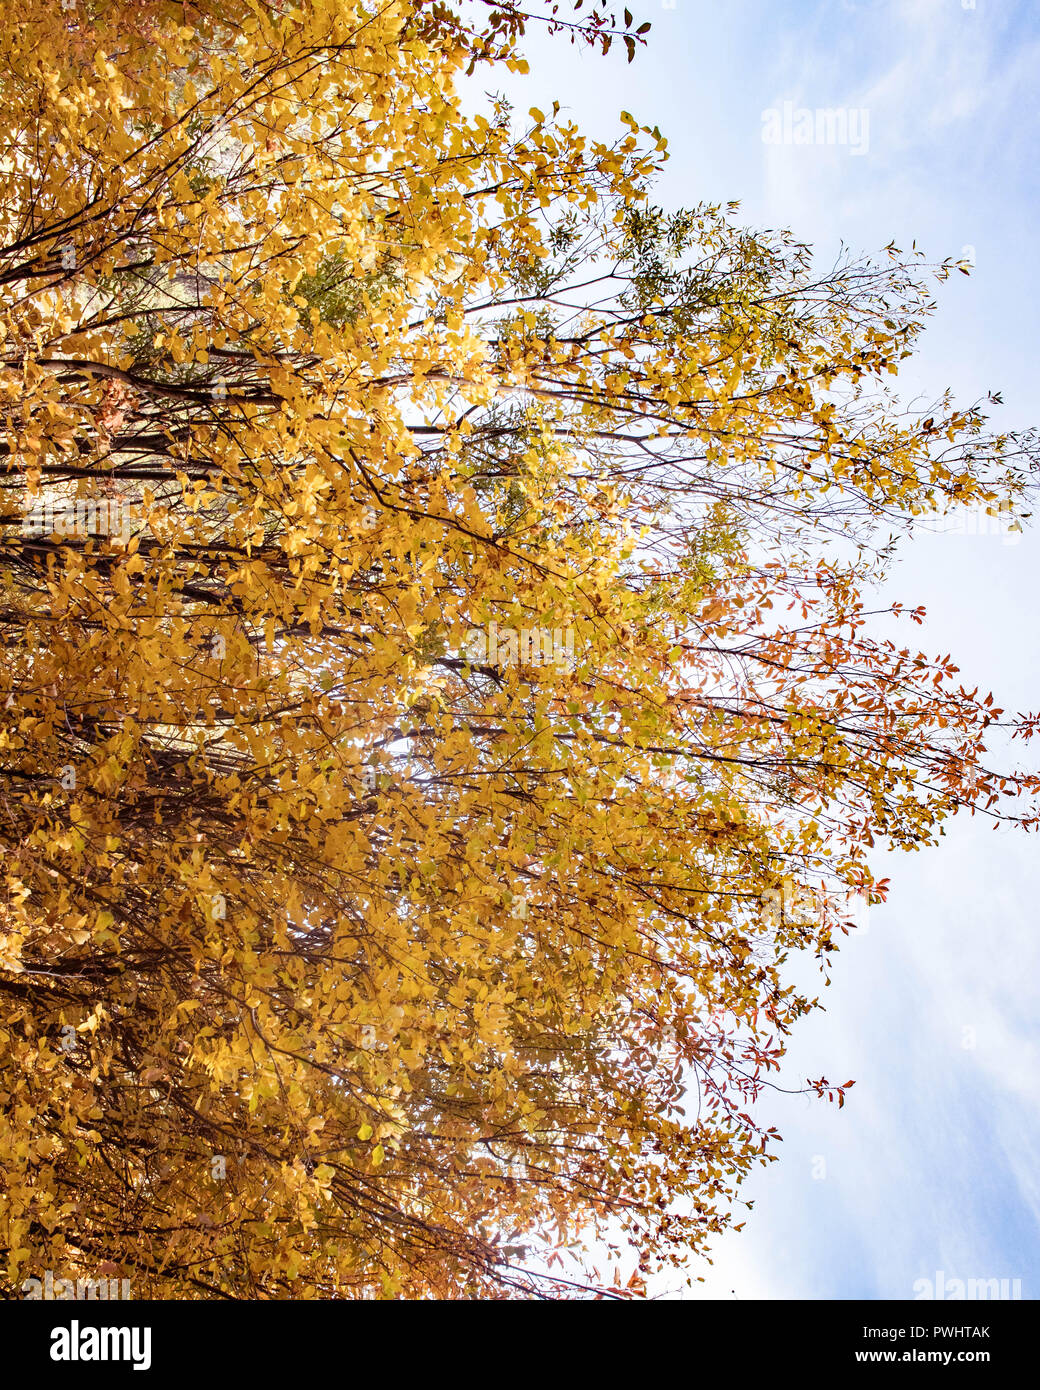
438 693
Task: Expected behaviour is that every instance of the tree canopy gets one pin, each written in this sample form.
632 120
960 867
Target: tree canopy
443 658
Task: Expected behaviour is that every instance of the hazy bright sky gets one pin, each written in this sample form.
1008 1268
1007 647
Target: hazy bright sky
934 1163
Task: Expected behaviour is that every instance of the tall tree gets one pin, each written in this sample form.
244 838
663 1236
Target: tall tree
437 689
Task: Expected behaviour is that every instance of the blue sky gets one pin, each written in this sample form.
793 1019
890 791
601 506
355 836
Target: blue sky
934 1163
